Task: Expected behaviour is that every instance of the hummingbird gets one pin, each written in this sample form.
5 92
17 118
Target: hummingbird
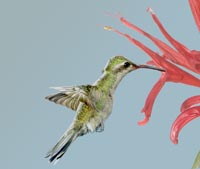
92 103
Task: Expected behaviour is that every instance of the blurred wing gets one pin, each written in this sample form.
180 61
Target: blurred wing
71 96
196 162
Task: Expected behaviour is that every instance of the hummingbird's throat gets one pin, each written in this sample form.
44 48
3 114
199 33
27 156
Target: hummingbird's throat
108 82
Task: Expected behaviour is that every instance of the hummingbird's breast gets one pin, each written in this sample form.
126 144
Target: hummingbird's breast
103 102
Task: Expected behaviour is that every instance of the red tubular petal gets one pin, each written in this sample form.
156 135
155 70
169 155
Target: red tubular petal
183 119
147 109
190 102
151 62
188 78
144 121
195 7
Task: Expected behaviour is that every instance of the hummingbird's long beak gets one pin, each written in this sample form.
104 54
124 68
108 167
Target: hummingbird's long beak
150 67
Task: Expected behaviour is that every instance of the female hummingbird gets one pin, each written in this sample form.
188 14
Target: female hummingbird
93 103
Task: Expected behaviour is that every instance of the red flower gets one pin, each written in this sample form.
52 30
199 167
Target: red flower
188 112
172 73
180 55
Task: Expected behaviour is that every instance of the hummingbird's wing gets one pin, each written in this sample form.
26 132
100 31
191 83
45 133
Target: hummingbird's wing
71 96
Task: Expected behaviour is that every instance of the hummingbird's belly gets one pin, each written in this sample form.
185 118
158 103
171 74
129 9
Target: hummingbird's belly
100 115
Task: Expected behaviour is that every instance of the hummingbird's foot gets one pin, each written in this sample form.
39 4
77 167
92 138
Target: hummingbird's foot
84 131
100 127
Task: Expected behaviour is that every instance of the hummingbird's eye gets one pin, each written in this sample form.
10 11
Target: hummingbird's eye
126 64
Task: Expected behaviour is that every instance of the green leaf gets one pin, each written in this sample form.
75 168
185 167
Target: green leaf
196 161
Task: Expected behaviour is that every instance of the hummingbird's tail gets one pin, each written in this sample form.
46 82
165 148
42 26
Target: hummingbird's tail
61 147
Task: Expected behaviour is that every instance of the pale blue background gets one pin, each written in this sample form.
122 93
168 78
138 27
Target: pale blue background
47 43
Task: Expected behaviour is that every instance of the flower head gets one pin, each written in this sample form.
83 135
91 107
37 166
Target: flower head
172 72
168 60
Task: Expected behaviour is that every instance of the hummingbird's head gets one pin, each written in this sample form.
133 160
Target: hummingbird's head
121 66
